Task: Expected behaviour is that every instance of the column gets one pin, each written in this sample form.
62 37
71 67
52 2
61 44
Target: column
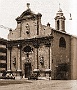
19 72
56 25
36 58
36 45
19 59
49 57
9 51
61 24
48 45
35 55
8 60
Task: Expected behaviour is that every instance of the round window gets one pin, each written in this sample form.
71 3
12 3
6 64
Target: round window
27 49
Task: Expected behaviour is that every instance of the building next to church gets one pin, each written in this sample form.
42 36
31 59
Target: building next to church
36 47
3 56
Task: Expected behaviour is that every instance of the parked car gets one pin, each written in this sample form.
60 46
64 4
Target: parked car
8 76
33 76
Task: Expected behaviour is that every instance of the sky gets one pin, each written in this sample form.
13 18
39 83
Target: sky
11 9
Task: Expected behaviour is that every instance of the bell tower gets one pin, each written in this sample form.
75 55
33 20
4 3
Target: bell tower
60 21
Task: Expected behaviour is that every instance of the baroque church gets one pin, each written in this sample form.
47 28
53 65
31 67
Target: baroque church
33 47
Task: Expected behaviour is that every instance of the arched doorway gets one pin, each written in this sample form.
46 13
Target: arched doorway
27 65
27 69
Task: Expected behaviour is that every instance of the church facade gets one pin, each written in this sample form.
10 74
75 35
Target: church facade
33 47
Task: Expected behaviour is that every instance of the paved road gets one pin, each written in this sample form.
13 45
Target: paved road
40 85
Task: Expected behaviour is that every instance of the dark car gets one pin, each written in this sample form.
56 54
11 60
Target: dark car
33 76
7 76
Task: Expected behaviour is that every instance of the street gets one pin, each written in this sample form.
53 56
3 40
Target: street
38 85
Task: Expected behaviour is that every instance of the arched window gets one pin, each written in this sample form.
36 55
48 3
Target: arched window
62 42
58 24
63 25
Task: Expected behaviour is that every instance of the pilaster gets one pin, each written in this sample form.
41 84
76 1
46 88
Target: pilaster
9 57
19 58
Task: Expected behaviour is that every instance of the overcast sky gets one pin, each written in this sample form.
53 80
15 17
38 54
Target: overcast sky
10 9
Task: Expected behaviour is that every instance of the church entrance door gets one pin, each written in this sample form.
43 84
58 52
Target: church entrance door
27 70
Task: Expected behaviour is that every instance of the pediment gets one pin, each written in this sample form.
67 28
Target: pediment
26 14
